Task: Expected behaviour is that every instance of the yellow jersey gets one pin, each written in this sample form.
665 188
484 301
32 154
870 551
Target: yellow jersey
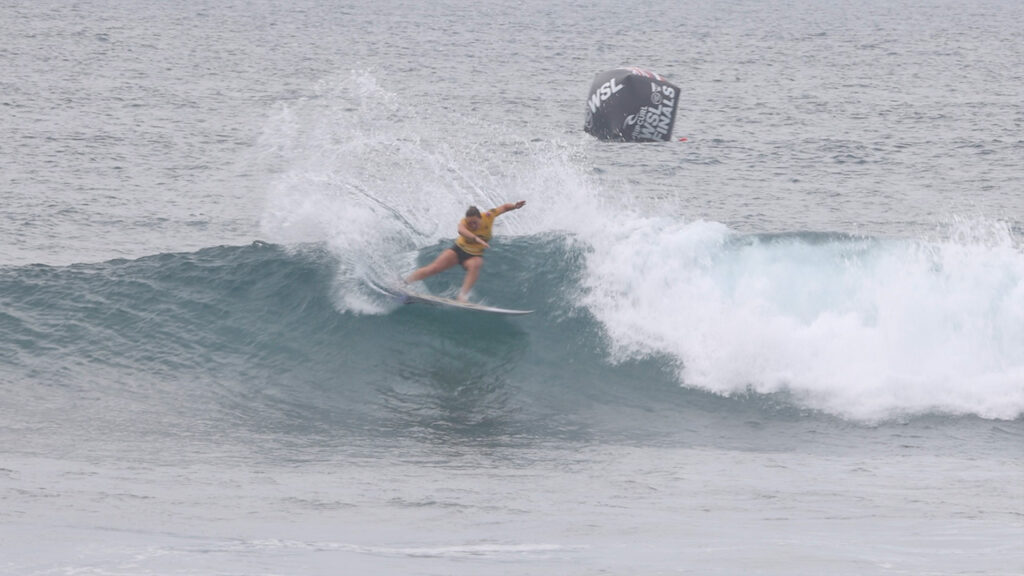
483 231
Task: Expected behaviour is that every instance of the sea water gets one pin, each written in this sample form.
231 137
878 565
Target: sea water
790 341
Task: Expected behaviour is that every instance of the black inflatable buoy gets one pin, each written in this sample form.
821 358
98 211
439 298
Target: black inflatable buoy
632 105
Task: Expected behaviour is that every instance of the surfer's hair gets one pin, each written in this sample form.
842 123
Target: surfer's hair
473 212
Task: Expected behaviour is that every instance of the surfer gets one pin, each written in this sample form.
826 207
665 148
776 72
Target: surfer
468 250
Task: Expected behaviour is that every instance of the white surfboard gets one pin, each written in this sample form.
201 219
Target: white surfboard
407 296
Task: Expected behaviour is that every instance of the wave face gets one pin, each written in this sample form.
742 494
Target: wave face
670 326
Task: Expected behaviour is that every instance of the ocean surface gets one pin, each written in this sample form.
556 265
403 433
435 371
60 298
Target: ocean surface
788 342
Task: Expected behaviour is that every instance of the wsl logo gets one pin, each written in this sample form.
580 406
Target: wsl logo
631 105
603 93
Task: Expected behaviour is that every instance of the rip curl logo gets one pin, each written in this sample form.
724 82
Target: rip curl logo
635 122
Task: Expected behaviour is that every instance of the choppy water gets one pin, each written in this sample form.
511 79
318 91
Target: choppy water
791 344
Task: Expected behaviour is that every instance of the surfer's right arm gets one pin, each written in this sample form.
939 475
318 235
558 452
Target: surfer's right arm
469 235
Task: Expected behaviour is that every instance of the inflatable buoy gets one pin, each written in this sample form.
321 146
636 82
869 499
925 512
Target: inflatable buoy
631 105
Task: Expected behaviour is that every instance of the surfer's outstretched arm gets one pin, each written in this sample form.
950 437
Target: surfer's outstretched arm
510 206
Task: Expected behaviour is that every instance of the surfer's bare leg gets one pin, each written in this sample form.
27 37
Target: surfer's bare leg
444 261
472 266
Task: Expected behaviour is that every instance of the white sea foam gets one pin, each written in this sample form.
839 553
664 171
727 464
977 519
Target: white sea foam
861 328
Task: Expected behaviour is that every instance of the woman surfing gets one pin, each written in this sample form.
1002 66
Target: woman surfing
468 249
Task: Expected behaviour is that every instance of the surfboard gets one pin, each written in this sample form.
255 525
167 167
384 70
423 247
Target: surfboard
407 296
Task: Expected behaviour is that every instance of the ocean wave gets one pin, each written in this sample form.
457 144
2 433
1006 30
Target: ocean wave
859 328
